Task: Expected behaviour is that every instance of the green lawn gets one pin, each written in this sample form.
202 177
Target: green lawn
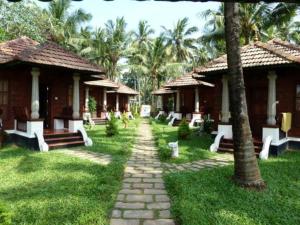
119 145
209 196
195 148
56 189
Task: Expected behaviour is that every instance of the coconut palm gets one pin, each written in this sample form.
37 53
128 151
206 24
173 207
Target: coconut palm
256 20
116 42
141 37
65 23
246 171
179 40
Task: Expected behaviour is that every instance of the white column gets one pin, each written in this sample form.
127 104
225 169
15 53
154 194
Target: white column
128 107
86 99
35 100
272 98
197 104
117 102
225 114
178 101
104 107
162 102
76 100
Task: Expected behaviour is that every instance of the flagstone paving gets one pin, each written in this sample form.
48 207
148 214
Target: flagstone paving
217 161
143 199
95 157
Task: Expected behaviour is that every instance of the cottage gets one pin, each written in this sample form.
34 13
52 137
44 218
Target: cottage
272 82
190 94
41 91
110 97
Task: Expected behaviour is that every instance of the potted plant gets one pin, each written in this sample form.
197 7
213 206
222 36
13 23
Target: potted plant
92 107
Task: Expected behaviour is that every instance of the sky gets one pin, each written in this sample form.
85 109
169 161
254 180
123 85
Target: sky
156 13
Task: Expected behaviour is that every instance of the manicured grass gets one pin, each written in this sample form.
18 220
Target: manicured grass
118 145
210 197
57 189
194 148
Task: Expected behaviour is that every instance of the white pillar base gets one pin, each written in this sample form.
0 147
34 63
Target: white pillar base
226 130
273 132
196 118
177 116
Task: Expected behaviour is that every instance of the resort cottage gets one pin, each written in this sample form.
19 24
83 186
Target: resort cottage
272 82
190 97
110 97
41 91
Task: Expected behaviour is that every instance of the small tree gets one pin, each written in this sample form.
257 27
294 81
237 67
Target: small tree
125 120
112 126
92 104
184 130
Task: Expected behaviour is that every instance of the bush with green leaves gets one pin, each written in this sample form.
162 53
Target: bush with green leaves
164 151
162 118
125 119
207 125
112 127
92 104
5 215
184 130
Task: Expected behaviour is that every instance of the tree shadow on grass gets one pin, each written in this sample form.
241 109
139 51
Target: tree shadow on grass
210 197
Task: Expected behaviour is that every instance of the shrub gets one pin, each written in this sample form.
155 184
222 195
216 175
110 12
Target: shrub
92 104
112 126
162 118
125 120
5 215
184 130
164 151
207 125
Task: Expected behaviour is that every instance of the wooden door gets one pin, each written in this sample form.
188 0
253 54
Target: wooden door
45 104
257 99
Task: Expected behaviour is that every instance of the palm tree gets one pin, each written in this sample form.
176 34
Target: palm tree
179 40
246 171
65 23
136 53
141 37
256 20
156 59
116 42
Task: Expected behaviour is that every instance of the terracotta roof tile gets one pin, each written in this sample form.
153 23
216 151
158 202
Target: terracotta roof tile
274 52
163 91
49 53
103 83
117 87
186 80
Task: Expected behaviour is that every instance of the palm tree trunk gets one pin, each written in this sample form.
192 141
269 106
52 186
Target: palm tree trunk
246 170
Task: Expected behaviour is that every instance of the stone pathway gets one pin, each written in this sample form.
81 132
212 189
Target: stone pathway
143 199
217 161
92 156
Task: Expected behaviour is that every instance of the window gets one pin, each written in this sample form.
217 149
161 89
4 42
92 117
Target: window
70 95
298 98
3 92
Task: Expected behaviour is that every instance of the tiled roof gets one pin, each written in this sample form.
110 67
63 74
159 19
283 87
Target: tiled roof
117 87
163 91
258 54
49 53
123 89
186 80
103 83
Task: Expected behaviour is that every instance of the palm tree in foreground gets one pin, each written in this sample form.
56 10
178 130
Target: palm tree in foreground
246 170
